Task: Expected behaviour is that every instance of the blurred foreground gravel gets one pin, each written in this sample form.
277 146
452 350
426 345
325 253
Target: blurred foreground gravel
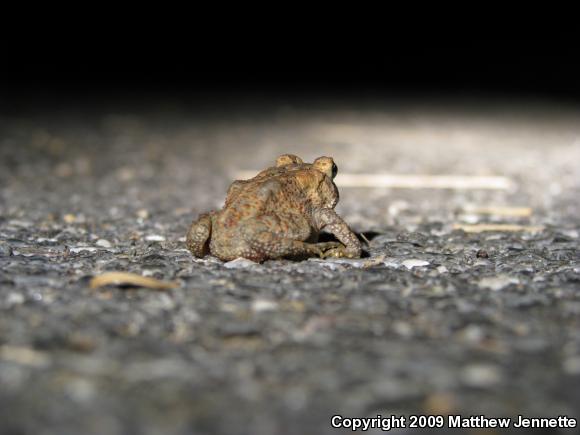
434 321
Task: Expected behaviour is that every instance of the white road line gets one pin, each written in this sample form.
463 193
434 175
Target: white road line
414 181
500 211
479 228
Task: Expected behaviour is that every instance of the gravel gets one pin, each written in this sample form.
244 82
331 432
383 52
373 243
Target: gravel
433 320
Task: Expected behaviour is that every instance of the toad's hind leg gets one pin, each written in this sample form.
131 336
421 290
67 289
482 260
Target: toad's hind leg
198 236
266 246
272 237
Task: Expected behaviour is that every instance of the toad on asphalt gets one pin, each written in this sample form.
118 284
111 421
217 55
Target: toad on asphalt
277 214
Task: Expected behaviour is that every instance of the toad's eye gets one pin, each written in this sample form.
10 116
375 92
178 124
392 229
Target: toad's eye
334 170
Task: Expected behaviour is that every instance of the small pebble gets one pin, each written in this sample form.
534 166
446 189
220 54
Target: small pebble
142 214
69 218
260 305
103 243
14 298
80 390
409 264
481 375
391 264
155 238
24 355
472 334
573 234
240 263
77 249
19 223
359 263
403 329
497 282
327 264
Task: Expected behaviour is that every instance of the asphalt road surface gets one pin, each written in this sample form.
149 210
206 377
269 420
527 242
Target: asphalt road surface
467 303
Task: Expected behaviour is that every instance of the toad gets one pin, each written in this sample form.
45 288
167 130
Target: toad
277 214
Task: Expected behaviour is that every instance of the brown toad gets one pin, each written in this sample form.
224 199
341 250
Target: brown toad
277 214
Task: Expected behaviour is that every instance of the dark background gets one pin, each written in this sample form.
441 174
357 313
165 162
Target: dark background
209 62
488 327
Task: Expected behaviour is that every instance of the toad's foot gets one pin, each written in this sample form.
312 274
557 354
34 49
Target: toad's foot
317 249
341 252
323 248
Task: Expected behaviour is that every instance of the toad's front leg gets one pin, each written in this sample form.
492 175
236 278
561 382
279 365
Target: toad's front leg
326 218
